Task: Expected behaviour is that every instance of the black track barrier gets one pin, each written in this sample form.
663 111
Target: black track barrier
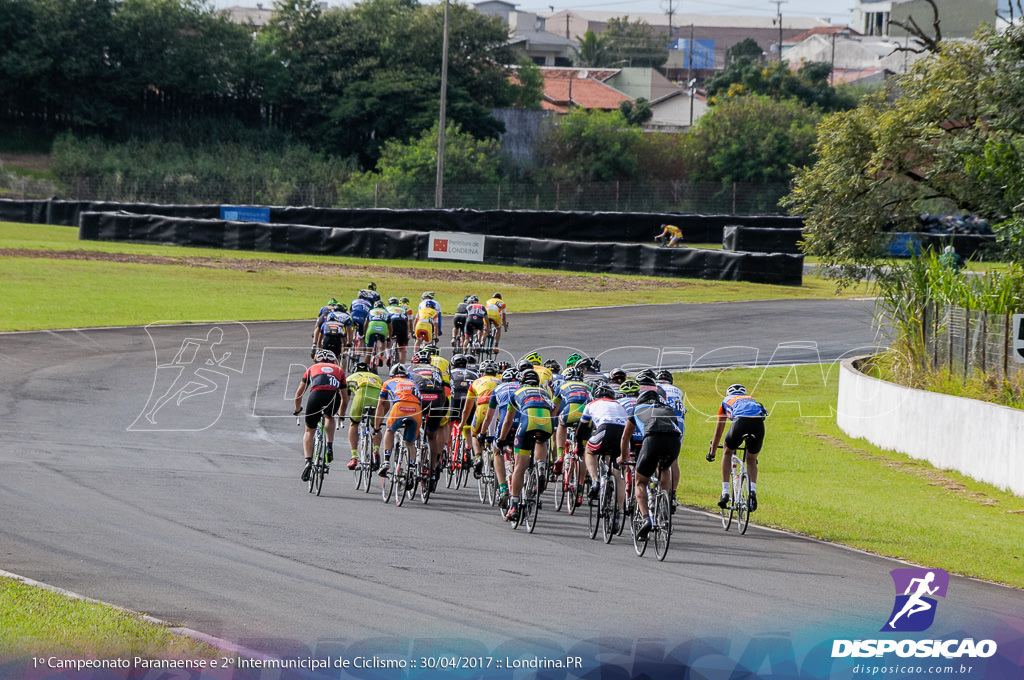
614 258
741 238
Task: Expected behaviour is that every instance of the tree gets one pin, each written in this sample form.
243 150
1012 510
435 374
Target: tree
636 113
634 43
809 84
744 49
949 136
593 146
594 50
753 139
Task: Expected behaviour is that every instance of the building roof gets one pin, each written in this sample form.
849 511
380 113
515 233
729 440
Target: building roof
823 30
580 87
704 20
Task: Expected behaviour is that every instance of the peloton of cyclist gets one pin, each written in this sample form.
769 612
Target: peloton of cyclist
364 386
533 429
328 395
400 404
747 416
656 423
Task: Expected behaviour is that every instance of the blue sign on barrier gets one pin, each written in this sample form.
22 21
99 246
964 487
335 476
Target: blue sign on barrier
904 245
242 213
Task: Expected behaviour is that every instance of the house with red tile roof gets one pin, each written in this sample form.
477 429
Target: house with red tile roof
580 87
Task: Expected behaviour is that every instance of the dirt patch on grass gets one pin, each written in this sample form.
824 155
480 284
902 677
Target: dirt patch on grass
554 282
30 161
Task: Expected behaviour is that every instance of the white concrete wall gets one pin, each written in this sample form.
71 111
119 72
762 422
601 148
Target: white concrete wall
984 441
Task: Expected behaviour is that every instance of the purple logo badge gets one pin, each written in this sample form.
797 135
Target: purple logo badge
916 590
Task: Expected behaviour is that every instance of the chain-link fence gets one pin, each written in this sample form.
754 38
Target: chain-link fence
668 196
966 342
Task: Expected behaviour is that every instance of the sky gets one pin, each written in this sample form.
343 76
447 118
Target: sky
839 11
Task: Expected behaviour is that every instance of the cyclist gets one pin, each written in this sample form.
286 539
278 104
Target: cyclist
461 379
570 400
335 330
556 375
673 396
427 326
497 316
427 300
476 314
370 293
617 376
533 429
534 361
601 425
400 402
359 310
474 409
670 231
328 394
501 397
433 394
398 321
655 422
378 330
364 385
747 416
627 394
459 323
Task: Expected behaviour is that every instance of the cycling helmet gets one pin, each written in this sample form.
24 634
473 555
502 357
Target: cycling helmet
421 357
664 376
399 370
472 299
427 295
372 285
572 360
332 302
595 364
524 365
735 389
553 365
530 377
534 358
326 355
470 360
459 361
362 366
364 294
497 295
573 374
617 376
489 368
510 375
630 388
341 307
378 304
404 300
604 392
646 377
392 301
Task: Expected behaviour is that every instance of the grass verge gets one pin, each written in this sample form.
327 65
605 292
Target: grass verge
108 283
38 621
817 481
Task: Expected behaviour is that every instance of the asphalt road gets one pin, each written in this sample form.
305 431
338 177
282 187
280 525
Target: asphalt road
190 509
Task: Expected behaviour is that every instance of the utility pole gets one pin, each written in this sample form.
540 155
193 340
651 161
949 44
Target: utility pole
778 18
439 182
689 76
669 10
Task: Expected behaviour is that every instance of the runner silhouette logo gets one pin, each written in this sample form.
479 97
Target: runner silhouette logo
916 590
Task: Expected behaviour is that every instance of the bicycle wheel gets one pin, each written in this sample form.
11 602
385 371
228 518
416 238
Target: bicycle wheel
626 511
423 482
531 499
401 472
316 477
448 459
662 525
742 503
366 461
639 544
730 508
559 490
594 516
387 485
609 509
572 488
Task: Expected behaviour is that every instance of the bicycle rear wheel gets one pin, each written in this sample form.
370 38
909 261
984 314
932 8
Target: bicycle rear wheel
743 504
730 508
401 472
626 511
662 525
531 499
609 509
572 488
594 518
449 458
639 544
316 475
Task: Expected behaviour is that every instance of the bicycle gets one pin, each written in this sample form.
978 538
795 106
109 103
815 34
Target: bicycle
530 502
320 466
605 512
363 471
739 487
572 474
628 501
661 519
420 468
561 489
398 471
458 462
487 483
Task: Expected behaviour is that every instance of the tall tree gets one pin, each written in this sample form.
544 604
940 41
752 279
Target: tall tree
635 43
593 146
593 50
809 84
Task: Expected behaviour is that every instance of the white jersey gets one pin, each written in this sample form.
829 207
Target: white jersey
674 400
604 412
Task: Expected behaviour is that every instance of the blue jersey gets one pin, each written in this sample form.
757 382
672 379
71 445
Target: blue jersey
501 397
572 392
742 406
674 398
359 310
629 403
433 304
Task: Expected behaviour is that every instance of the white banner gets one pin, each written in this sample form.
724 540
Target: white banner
453 245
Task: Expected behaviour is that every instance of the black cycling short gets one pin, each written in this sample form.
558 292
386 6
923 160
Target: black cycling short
459 321
658 448
474 324
321 402
610 442
435 408
332 342
400 331
746 426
